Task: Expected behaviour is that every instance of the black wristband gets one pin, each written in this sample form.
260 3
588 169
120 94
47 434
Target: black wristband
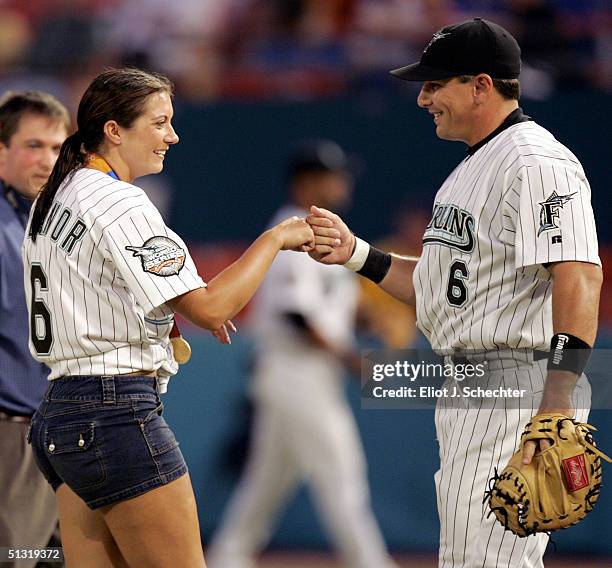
376 265
568 353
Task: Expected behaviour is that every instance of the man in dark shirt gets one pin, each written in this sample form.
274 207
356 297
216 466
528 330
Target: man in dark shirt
33 126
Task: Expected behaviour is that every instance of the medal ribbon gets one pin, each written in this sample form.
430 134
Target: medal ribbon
96 162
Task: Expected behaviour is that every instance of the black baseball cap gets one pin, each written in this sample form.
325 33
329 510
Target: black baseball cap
318 156
469 48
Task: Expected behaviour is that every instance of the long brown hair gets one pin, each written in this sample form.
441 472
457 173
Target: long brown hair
116 94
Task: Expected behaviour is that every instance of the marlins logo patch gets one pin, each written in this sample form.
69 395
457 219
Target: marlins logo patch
160 256
436 37
549 211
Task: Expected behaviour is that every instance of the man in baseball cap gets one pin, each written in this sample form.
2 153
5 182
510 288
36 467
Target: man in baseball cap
320 170
319 155
509 261
470 80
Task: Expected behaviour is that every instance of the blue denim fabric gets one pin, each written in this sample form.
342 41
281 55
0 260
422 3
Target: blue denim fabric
105 437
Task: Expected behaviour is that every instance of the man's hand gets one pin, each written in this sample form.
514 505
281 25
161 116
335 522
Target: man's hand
556 400
559 488
334 242
531 447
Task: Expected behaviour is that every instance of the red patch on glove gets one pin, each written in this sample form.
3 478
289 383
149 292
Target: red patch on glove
576 474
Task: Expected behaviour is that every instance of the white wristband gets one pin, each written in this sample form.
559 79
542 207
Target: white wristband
356 262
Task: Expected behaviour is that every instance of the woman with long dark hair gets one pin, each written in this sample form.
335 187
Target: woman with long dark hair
104 277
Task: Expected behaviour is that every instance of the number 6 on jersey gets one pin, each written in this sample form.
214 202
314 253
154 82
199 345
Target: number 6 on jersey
456 291
40 317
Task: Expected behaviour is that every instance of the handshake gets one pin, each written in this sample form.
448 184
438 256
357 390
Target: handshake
322 234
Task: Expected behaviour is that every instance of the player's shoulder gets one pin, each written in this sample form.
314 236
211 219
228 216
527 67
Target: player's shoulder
533 145
89 182
96 194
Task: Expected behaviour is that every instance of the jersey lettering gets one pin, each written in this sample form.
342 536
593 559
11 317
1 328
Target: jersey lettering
74 236
456 225
61 224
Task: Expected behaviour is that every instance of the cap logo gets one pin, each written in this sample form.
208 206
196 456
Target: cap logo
436 37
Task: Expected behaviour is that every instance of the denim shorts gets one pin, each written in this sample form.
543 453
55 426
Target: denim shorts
105 437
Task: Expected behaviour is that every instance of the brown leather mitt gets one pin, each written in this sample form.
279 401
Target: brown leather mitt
560 485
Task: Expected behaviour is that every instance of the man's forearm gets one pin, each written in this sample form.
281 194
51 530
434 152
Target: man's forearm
398 281
576 290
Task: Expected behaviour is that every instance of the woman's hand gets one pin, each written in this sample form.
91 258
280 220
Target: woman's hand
222 333
295 234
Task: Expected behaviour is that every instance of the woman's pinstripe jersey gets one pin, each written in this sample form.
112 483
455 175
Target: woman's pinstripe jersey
98 277
516 204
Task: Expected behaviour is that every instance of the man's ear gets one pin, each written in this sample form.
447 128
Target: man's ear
482 87
112 132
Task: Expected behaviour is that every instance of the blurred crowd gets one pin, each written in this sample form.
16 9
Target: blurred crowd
294 49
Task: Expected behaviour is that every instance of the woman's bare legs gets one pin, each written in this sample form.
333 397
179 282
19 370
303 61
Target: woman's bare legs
157 529
87 541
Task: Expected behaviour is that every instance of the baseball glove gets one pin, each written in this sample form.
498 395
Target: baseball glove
560 485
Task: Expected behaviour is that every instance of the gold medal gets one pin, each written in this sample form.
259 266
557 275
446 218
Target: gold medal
181 349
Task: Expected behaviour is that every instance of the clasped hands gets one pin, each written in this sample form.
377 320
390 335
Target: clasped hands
323 235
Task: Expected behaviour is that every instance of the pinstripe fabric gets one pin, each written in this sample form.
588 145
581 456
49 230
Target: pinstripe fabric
517 203
477 436
502 188
108 314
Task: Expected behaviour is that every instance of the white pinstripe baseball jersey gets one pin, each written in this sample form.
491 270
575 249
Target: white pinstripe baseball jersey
98 277
517 203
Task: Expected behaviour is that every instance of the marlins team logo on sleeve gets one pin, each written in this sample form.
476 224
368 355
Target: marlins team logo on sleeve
549 211
160 256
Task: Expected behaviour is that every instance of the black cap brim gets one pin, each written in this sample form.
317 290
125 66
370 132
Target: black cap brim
419 72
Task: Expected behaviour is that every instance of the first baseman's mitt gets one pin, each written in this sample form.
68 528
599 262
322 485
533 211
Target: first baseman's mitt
560 485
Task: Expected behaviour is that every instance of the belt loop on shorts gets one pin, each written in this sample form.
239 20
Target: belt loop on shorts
47 396
108 389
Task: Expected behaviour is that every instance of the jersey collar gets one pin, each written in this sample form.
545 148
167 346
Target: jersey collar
96 162
515 117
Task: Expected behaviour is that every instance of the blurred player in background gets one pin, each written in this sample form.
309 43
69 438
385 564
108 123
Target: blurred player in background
33 126
304 429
